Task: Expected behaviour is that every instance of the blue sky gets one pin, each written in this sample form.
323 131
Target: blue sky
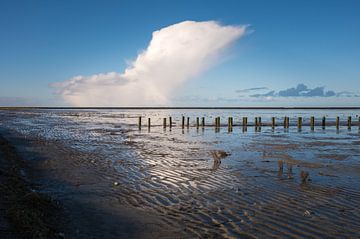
315 43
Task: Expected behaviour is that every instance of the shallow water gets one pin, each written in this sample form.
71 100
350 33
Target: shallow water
172 173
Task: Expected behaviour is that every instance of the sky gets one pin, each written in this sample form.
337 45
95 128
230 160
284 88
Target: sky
179 53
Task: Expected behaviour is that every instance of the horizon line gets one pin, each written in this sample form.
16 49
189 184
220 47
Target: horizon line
185 107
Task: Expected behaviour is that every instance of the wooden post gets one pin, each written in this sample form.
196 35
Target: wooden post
349 122
230 123
197 122
188 122
259 121
203 122
323 124
312 122
217 124
164 123
183 122
273 122
139 122
288 122
337 123
170 122
299 124
244 124
149 123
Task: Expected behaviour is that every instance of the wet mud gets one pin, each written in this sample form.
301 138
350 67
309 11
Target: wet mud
192 183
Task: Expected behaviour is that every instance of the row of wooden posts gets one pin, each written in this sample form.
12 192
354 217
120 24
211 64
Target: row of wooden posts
257 122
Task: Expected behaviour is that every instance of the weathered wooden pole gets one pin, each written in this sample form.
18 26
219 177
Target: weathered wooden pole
183 122
188 122
349 122
299 124
164 123
149 123
203 122
170 122
244 124
312 122
197 122
230 124
337 122
323 123
217 124
259 121
288 122
273 122
139 122
256 122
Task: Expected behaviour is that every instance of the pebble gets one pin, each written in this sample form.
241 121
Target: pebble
307 213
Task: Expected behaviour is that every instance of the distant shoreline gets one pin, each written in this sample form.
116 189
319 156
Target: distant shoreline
183 108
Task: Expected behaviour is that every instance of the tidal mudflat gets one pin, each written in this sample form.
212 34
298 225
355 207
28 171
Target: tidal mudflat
114 180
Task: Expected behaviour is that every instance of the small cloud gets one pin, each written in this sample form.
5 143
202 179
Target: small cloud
270 93
301 90
318 91
347 94
330 93
251 89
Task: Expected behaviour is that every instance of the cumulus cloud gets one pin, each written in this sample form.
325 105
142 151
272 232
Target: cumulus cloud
175 54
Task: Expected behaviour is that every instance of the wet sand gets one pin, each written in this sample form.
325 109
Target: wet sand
98 204
90 209
6 231
117 182
25 212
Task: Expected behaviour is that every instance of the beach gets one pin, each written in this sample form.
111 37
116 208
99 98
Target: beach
114 181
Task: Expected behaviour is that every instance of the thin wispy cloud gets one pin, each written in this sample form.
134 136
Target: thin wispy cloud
270 93
251 89
175 54
347 94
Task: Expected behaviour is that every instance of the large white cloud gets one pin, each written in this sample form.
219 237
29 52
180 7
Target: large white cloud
175 54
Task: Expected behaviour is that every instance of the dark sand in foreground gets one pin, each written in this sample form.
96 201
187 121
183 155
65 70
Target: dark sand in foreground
86 213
